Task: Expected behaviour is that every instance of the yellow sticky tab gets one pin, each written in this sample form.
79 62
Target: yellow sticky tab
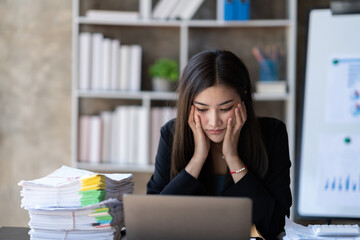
91 180
93 187
101 209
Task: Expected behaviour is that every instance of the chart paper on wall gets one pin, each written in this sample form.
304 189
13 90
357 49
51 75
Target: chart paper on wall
328 161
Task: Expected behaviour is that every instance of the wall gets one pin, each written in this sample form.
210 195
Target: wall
35 98
35 90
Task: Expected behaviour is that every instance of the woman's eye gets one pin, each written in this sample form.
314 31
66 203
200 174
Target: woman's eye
226 109
201 109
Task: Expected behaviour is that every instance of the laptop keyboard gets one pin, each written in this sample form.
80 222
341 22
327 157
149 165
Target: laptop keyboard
336 230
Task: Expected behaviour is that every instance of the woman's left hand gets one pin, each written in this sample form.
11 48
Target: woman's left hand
233 130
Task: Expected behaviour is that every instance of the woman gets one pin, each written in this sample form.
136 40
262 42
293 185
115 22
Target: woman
217 146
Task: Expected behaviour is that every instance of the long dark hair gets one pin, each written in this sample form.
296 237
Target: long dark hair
204 70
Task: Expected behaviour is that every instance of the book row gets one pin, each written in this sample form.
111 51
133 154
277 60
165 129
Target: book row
122 136
172 10
106 64
164 9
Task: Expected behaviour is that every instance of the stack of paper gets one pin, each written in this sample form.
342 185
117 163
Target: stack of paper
72 235
92 217
76 204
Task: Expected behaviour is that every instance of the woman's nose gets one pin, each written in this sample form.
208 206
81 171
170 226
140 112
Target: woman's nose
214 119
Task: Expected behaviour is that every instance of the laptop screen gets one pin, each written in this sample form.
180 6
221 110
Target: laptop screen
186 217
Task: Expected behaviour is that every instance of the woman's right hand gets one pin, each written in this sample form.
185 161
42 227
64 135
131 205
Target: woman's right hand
202 144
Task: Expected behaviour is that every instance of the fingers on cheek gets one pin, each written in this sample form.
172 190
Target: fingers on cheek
230 123
197 119
237 111
237 116
191 115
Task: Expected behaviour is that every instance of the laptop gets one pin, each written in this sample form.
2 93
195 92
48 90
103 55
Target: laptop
186 217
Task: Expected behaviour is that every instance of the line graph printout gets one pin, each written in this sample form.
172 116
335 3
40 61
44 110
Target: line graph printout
343 90
338 170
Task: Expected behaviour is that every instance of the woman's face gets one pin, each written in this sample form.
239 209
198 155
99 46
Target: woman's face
215 105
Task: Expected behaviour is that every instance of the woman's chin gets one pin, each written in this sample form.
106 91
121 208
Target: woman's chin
216 139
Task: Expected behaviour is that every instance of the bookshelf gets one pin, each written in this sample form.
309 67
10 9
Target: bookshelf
180 39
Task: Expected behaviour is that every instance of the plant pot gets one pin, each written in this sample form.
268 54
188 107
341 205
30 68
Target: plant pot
161 84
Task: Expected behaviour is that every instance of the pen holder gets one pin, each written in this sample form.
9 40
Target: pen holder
269 70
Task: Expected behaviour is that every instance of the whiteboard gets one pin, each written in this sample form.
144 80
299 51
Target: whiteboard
329 147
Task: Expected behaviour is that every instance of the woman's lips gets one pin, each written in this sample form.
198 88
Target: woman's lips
215 132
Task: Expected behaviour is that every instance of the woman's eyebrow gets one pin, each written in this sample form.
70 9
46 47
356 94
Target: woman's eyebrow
226 102
223 103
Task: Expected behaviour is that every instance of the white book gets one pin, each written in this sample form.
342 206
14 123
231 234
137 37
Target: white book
133 134
106 119
159 116
116 134
95 139
155 132
83 139
84 76
96 61
115 137
123 131
106 64
143 137
124 67
111 15
169 7
135 68
190 9
145 9
181 4
114 74
159 9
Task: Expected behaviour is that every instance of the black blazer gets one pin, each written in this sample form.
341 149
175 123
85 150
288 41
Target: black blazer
271 195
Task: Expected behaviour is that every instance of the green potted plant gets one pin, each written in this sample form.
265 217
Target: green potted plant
164 73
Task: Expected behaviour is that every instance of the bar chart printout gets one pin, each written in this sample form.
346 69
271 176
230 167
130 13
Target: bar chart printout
338 170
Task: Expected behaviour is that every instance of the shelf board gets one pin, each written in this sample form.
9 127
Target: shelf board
188 23
115 167
165 95
239 24
127 95
140 23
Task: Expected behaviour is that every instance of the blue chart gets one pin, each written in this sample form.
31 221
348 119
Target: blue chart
338 174
342 190
342 184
